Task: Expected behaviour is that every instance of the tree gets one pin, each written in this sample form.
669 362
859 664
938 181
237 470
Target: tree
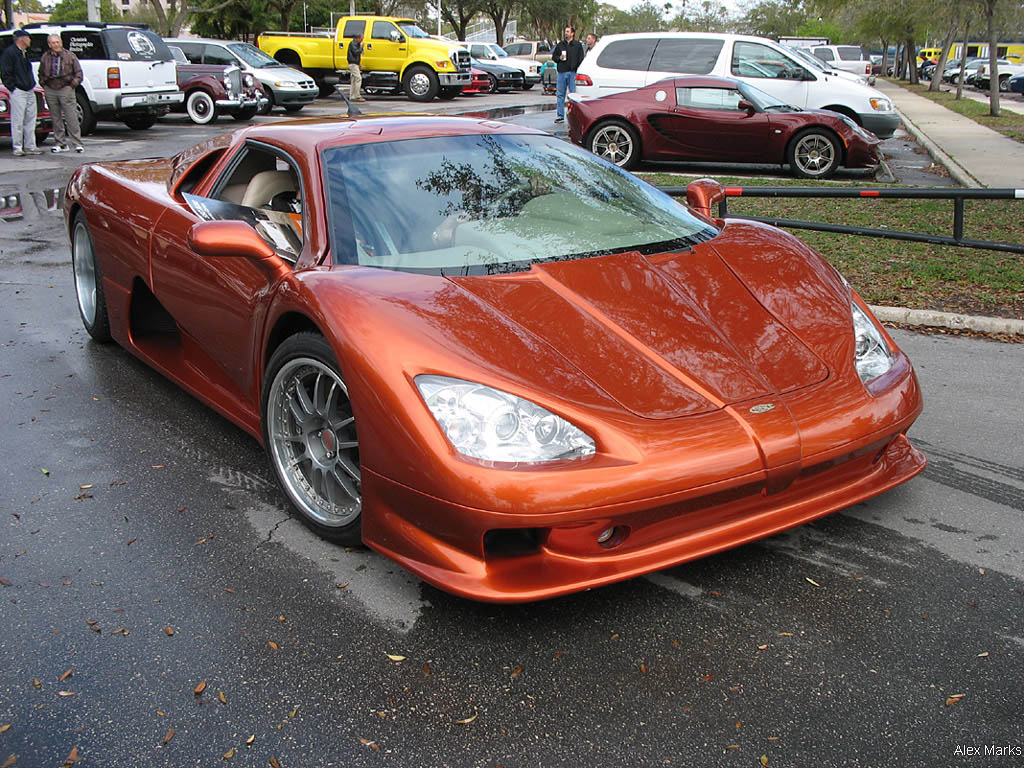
774 18
500 12
29 6
76 10
459 13
172 19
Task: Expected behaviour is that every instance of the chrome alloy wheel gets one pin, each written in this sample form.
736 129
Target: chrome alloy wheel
613 143
814 154
419 83
84 261
312 440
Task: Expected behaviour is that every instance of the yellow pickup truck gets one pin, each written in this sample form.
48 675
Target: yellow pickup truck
397 56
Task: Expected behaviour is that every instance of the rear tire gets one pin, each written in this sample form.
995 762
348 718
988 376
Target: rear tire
140 122
92 302
615 141
86 117
310 436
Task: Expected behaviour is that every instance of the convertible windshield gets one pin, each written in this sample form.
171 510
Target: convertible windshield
492 203
760 99
253 56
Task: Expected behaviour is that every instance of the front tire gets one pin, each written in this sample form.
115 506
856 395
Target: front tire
293 107
814 154
310 435
140 122
92 302
200 108
421 84
616 142
492 83
449 92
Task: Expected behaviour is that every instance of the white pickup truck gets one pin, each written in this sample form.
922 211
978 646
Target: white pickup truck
1004 70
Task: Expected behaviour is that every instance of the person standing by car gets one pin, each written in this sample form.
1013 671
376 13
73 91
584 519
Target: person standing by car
16 74
591 42
567 55
60 74
355 73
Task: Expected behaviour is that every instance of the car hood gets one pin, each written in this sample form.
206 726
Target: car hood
664 336
281 74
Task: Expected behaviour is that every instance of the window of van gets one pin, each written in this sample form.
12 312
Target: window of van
756 60
216 54
628 54
694 57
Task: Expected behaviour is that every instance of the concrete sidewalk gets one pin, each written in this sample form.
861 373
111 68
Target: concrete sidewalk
976 156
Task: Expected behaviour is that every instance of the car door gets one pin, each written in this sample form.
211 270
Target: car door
772 71
218 303
386 49
707 123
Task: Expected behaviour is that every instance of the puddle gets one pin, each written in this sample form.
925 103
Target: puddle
30 204
497 113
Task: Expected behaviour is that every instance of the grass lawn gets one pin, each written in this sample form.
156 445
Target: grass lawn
899 273
1010 124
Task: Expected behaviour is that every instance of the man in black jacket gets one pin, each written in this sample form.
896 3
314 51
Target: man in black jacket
16 74
355 71
567 55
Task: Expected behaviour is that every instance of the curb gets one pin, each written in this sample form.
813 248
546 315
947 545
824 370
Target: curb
961 176
935 319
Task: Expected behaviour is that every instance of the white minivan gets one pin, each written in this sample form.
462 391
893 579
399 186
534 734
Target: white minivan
622 62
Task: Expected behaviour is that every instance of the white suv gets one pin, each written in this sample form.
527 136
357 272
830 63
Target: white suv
849 58
623 62
128 74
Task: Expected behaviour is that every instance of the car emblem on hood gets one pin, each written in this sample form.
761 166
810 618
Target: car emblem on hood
762 408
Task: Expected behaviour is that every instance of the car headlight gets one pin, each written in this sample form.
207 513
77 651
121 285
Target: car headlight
486 423
872 356
3 107
249 81
881 105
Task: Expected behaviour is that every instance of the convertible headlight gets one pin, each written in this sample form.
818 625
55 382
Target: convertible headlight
871 354
881 105
486 423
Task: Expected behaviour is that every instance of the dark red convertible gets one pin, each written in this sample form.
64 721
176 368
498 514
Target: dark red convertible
711 119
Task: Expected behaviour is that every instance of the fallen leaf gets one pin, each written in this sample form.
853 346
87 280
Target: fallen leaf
954 699
812 581
272 644
22 552
273 762
201 541
293 712
72 757
395 657
643 669
468 720
614 637
36 683
983 655
46 471
85 487
64 677
370 743
739 723
157 466
230 591
714 593
981 571
9 761
229 754
5 582
168 736
341 586
708 677
65 694
169 631
675 643
774 738
516 672
764 760
761 647
221 697
732 746
199 688
785 634
280 618
5 727
250 740
426 669
130 542
95 627
160 713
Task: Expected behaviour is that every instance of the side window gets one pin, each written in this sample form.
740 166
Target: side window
825 54
85 44
264 189
385 30
690 56
708 98
215 54
480 52
192 51
853 53
628 54
543 48
517 49
756 60
37 44
354 28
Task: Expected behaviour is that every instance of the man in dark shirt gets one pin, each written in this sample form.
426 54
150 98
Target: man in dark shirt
567 55
355 73
16 73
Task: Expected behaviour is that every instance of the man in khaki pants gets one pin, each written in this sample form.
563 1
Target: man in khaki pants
60 74
355 73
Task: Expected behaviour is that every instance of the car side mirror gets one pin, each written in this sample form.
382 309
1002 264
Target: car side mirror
396 36
746 106
230 238
702 194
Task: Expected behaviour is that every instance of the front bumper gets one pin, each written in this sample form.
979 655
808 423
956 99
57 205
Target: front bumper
455 78
882 124
286 95
240 103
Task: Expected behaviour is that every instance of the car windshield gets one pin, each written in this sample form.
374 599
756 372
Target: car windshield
809 59
762 100
412 29
497 50
253 56
492 203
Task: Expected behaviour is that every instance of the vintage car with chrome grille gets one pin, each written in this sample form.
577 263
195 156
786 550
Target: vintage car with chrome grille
491 356
212 90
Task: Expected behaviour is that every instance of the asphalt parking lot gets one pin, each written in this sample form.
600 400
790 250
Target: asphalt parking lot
160 606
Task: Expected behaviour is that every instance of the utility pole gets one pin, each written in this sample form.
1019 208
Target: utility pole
93 9
438 18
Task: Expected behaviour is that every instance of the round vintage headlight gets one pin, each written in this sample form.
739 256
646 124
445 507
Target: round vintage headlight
249 81
486 423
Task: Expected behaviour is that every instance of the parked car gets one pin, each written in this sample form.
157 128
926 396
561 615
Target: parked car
481 82
211 90
850 58
127 73
1004 71
624 62
500 77
973 67
538 50
715 119
509 366
494 52
284 87
44 124
820 66
1017 83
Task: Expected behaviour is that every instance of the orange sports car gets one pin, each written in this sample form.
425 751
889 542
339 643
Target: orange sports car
492 356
